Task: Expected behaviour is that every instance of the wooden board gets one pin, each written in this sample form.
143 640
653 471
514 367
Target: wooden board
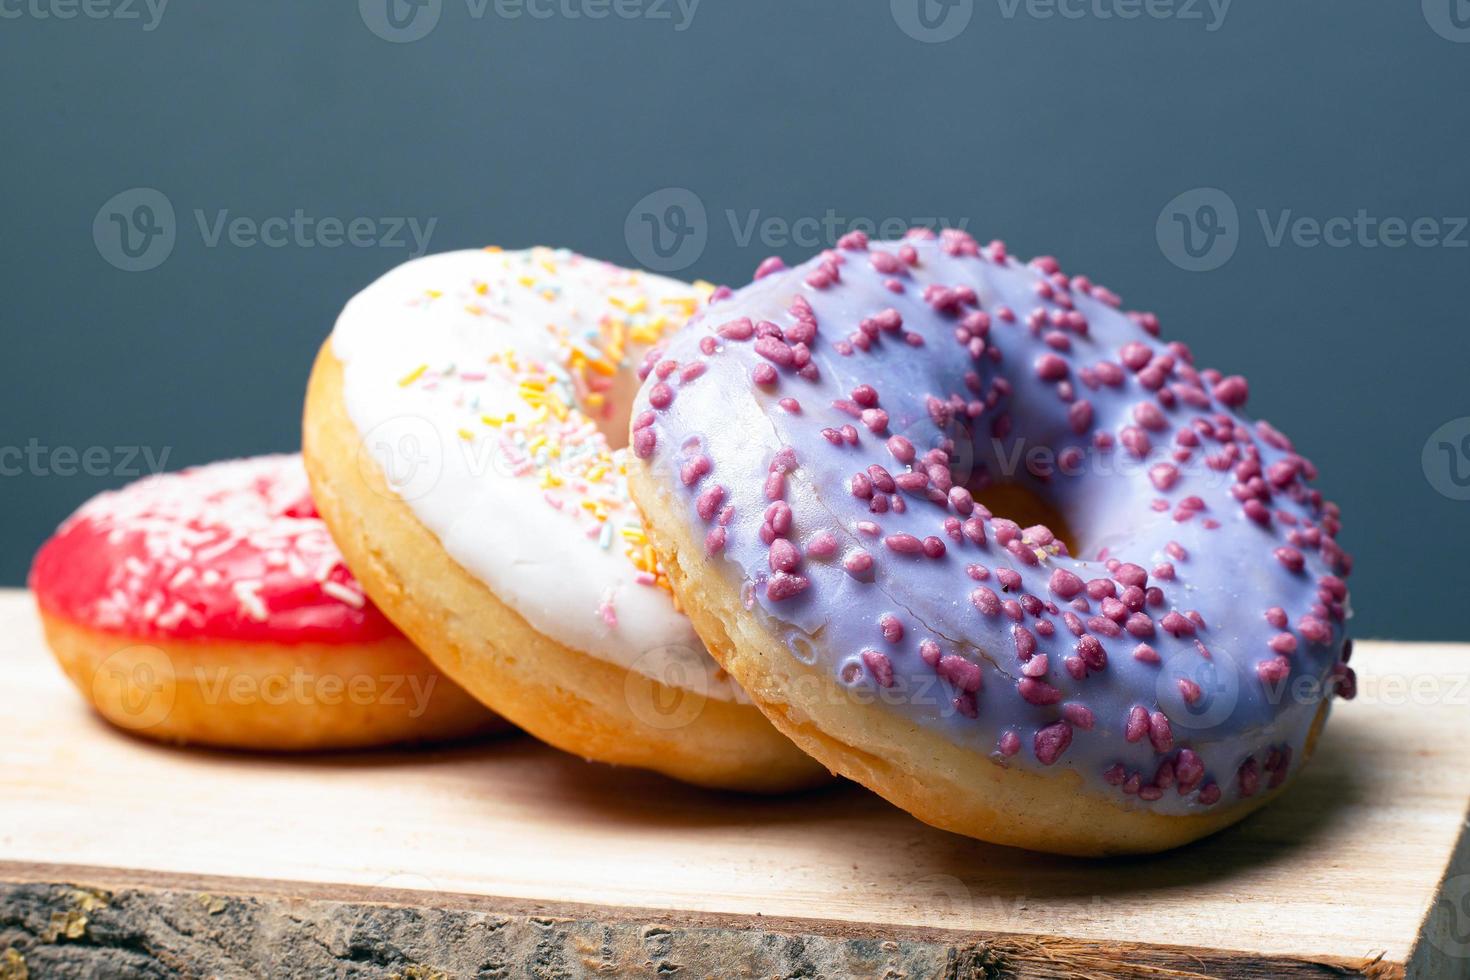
110 846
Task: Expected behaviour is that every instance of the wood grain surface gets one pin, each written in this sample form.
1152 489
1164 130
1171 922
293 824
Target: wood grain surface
1363 868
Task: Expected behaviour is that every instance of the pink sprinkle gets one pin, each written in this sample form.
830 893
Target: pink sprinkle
1250 777
783 556
1188 771
1131 574
1136 355
960 672
858 563
1177 625
880 666
775 350
1079 416
1283 643
1092 652
902 449
1140 625
1149 415
1291 558
769 266
1065 583
985 600
1189 691
891 628
1010 743
1051 742
1160 732
822 545
714 541
783 586
1051 367
661 396
1144 653
929 652
695 470
741 329
778 518
1232 391
904 544
763 374
1164 476
1274 671
1079 715
708 502
1137 725
644 441
1313 630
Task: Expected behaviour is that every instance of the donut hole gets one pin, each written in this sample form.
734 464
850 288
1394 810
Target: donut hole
614 416
1019 503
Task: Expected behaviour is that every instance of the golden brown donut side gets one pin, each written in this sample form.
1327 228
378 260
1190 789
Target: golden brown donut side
923 773
272 697
563 696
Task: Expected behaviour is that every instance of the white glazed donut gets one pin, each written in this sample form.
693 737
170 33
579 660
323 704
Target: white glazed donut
463 431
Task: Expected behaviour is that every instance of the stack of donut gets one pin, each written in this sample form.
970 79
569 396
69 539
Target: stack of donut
914 512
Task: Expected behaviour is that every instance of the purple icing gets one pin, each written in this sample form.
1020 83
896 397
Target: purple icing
836 446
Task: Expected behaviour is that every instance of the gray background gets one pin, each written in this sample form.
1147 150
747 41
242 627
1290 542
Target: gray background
1061 135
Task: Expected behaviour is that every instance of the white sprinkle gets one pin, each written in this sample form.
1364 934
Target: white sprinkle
342 593
246 593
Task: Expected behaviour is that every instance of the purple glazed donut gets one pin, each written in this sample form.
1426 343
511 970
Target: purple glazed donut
827 461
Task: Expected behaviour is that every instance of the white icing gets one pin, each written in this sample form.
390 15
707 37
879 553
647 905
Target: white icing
432 353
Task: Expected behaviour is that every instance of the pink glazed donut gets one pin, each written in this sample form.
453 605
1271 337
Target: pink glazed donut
210 606
829 463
